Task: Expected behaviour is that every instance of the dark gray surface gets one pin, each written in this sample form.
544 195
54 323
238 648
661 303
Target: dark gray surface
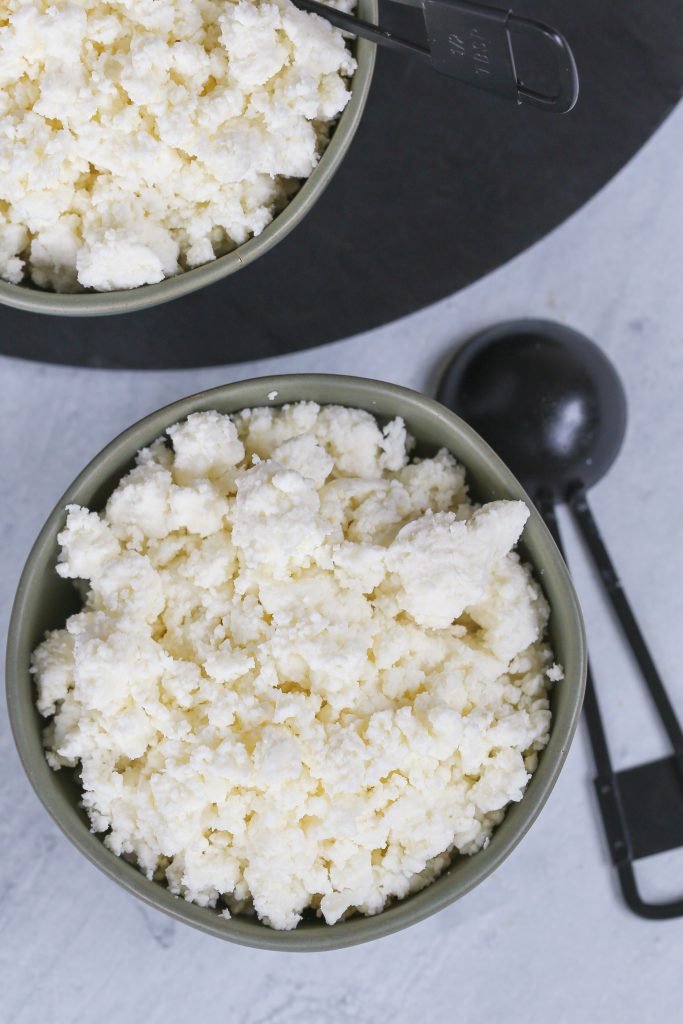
441 185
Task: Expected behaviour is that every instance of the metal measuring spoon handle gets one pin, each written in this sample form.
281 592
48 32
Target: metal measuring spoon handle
363 29
607 786
472 43
578 503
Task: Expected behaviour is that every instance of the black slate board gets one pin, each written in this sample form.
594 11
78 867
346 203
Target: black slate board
441 185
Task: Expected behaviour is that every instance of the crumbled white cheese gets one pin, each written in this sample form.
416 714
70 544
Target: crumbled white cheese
139 138
307 669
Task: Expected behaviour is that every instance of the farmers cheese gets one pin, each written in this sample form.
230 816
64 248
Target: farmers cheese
308 669
139 138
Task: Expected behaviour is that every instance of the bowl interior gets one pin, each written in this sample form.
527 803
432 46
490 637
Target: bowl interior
28 297
44 600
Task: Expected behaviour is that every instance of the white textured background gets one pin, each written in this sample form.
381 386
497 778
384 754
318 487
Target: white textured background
548 936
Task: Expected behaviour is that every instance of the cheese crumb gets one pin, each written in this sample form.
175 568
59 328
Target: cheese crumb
307 670
141 138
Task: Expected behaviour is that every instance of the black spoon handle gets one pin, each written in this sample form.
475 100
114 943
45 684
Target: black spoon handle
364 29
471 42
578 503
546 507
607 782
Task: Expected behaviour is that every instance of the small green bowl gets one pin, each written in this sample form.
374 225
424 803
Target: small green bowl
44 600
35 300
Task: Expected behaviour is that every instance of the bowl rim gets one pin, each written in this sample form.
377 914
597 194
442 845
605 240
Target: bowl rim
246 931
88 304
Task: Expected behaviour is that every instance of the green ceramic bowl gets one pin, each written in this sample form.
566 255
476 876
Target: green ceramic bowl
35 300
44 601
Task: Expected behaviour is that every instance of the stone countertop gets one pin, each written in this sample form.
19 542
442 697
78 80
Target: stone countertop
548 935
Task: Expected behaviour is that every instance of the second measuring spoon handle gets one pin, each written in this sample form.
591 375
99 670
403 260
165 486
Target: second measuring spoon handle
611 787
546 506
577 501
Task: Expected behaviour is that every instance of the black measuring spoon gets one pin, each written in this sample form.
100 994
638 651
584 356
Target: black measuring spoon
553 407
475 43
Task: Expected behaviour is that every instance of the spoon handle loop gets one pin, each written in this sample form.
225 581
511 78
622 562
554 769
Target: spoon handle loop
472 43
613 788
576 499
